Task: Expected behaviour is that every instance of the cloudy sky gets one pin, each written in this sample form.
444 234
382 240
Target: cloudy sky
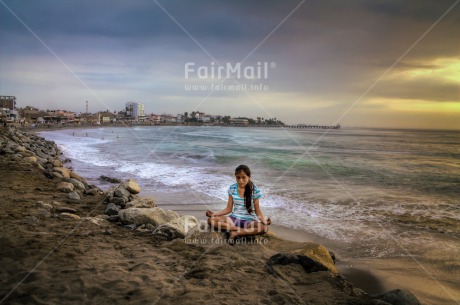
382 63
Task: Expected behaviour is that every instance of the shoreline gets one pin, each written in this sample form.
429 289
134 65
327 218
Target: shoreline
94 210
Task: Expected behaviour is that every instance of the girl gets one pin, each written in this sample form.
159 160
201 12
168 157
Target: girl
246 218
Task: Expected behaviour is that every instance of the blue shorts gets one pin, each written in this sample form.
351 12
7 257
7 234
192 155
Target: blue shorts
241 222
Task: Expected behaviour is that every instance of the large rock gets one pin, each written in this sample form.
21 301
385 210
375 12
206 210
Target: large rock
30 159
155 216
65 187
77 184
111 209
132 186
318 253
121 192
308 264
77 177
144 202
398 297
63 171
74 195
178 227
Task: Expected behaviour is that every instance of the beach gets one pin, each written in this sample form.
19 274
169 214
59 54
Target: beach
58 250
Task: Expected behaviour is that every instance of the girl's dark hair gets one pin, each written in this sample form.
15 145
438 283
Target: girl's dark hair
249 189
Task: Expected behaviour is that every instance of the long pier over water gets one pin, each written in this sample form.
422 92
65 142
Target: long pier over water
302 126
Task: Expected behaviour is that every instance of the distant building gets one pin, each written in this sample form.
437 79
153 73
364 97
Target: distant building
135 111
168 118
8 108
107 117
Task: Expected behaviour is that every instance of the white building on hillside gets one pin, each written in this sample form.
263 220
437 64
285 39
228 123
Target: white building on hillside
136 111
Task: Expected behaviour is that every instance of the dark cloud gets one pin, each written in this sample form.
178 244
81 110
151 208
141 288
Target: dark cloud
331 50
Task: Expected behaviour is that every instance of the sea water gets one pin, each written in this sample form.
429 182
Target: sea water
381 193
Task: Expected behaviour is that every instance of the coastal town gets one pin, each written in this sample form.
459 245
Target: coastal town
132 114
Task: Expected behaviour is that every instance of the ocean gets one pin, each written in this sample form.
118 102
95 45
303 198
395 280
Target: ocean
381 193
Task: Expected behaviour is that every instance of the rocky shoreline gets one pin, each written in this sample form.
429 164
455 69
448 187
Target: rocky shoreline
65 241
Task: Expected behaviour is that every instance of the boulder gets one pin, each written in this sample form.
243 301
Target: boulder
308 264
65 187
178 227
63 171
41 154
74 195
77 177
30 159
155 216
57 163
132 186
57 175
145 202
111 209
109 179
121 192
20 149
118 201
167 232
77 184
318 253
398 297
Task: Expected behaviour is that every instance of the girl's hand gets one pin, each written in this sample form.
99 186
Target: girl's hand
209 213
268 221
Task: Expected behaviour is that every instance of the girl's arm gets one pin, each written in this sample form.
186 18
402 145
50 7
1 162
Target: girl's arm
260 214
225 211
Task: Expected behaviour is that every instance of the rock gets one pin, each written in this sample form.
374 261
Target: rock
177 228
398 297
28 154
57 163
109 179
318 253
30 159
20 149
91 192
77 184
41 154
121 192
38 165
167 232
155 216
118 201
144 202
96 220
132 186
308 264
63 171
16 157
65 187
57 175
77 177
68 216
111 209
74 195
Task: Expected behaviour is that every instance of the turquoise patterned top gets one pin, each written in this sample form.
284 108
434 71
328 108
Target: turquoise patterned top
239 208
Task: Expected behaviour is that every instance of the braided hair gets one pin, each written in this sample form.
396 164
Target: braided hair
249 188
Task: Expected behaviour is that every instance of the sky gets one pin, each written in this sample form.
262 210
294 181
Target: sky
380 63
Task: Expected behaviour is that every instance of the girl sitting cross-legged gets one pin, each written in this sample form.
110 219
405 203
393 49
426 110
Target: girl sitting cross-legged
245 217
